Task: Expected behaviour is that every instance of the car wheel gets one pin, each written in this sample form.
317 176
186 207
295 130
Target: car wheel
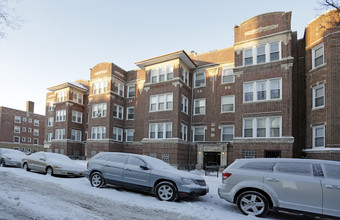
166 191
2 163
26 167
253 203
49 171
97 180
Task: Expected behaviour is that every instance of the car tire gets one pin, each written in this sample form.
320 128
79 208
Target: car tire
49 171
25 166
166 191
2 163
97 180
253 203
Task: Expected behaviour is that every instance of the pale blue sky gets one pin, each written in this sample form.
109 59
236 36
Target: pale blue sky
61 40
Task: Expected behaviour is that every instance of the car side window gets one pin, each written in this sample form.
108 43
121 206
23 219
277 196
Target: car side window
263 166
331 171
104 157
135 161
294 168
118 158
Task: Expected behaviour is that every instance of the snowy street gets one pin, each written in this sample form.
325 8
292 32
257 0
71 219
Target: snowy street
28 195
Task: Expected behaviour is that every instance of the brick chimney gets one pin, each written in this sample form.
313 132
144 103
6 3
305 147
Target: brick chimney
30 106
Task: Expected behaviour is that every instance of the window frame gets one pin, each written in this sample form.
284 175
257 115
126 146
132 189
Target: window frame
163 130
314 136
185 104
95 111
268 127
195 79
156 73
76 135
322 86
314 49
222 134
128 91
59 134
118 109
60 115
268 90
194 133
127 135
184 132
116 133
233 103
224 73
127 113
205 104
267 53
95 131
158 102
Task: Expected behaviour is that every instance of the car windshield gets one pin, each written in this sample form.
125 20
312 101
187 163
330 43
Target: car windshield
57 157
156 163
13 152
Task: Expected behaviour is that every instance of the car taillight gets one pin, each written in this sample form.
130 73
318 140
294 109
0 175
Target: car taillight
87 165
225 176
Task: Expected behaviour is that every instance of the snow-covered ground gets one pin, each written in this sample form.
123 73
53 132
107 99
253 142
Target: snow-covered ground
28 195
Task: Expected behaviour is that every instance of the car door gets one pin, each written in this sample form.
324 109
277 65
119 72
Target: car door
134 175
113 168
331 189
32 161
296 187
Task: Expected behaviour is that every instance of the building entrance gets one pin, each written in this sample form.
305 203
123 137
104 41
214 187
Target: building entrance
211 159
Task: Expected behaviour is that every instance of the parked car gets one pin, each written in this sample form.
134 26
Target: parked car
52 164
303 185
10 157
144 173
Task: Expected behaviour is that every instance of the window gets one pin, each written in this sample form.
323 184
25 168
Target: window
78 97
61 96
319 136
77 116
332 171
227 104
319 96
119 89
227 133
29 139
185 75
160 130
99 87
60 115
227 75
36 122
24 119
118 112
30 130
98 133
161 102
49 136
248 57
249 154
262 54
36 132
161 74
166 158
50 121
35 141
50 106
17 129
294 168
184 132
17 119
265 90
199 106
318 55
154 155
130 112
59 134
184 104
30 120
199 79
131 91
199 134
76 135
272 153
16 139
117 134
269 127
23 129
99 110
129 135
265 166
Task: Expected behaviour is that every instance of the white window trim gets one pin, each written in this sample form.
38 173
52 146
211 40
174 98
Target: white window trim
233 102
127 113
126 135
205 106
314 96
17 131
254 127
78 133
324 136
128 91
254 83
62 115
267 53
17 119
102 110
77 115
157 69
225 70
205 79
16 137
223 126
118 109
94 130
58 133
119 131
185 104
313 54
184 130
156 130
194 131
165 101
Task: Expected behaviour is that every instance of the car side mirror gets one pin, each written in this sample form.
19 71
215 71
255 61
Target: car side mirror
144 167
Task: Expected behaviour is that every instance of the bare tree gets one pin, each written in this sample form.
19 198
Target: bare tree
8 19
334 18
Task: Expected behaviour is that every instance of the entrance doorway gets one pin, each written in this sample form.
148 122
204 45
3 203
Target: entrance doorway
211 159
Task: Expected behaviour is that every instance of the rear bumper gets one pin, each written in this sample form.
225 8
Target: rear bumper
68 172
193 192
13 163
225 194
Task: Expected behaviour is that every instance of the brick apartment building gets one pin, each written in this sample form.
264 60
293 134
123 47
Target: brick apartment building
186 108
22 130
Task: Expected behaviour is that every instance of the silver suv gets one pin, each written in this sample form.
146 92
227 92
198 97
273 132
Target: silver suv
303 185
144 173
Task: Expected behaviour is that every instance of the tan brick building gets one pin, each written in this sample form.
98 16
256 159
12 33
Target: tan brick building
247 100
22 130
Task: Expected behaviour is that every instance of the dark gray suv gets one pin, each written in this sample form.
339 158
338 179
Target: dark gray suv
144 173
